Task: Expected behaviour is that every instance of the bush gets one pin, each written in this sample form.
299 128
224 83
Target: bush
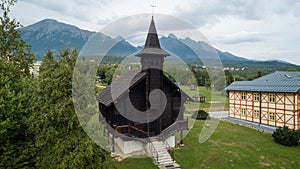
286 136
200 115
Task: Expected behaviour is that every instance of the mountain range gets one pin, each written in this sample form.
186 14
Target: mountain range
56 36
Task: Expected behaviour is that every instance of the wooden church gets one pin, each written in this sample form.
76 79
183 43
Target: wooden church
134 89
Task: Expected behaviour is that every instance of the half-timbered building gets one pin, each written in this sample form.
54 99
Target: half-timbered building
273 99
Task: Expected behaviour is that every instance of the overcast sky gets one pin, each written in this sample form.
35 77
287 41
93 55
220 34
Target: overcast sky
254 29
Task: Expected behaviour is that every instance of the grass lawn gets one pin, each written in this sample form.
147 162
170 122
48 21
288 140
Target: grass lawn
214 100
234 146
136 163
231 146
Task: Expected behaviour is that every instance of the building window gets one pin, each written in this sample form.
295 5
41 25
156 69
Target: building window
256 114
256 97
243 111
243 95
272 98
272 116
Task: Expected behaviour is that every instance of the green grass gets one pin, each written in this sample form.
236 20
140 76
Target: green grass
136 163
231 146
219 101
234 146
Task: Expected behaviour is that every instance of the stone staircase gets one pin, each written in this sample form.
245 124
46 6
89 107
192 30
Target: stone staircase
160 155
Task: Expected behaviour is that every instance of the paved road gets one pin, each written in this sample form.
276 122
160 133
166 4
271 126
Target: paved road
224 115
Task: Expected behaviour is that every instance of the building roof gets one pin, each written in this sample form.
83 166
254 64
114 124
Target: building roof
120 86
152 45
279 81
198 95
124 84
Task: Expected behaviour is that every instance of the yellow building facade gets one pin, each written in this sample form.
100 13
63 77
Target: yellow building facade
272 100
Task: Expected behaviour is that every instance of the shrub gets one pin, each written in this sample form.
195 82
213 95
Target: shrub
286 136
200 115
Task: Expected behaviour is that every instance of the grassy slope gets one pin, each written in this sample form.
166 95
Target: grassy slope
234 146
220 101
136 163
231 146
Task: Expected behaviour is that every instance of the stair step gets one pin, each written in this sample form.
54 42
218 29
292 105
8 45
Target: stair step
165 159
161 150
164 155
166 162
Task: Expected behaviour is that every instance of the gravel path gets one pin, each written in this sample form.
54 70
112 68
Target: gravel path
224 116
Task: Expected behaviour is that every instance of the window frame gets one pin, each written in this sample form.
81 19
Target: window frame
256 112
273 114
243 96
243 110
256 97
273 96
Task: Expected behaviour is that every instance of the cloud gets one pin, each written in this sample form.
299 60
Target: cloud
240 37
209 12
247 28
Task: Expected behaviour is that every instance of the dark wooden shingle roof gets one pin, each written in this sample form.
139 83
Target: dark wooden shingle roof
120 86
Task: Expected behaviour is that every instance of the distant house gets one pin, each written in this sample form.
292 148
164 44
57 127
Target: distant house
273 99
34 70
199 98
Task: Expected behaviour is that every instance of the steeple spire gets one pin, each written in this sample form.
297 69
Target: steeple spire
152 38
152 46
152 56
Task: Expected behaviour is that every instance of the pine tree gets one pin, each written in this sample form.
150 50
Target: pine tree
13 49
59 137
16 94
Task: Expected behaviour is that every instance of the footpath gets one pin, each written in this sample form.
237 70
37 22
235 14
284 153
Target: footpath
223 115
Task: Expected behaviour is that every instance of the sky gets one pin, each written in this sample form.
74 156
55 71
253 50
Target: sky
254 29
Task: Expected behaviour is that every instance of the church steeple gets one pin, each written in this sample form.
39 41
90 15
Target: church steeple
152 56
152 38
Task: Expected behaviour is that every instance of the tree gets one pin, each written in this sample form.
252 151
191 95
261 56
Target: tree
229 78
38 124
59 137
292 70
13 49
17 92
286 136
259 74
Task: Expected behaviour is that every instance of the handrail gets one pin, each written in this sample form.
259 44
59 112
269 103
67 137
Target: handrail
168 148
129 126
153 151
174 128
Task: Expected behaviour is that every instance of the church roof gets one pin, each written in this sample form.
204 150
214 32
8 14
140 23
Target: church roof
120 86
279 81
126 82
152 45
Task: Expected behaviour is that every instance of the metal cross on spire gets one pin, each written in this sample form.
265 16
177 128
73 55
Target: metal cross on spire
153 6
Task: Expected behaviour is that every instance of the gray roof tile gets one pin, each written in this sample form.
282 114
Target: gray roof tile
279 81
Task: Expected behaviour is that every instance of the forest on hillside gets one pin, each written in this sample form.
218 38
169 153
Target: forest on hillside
201 75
